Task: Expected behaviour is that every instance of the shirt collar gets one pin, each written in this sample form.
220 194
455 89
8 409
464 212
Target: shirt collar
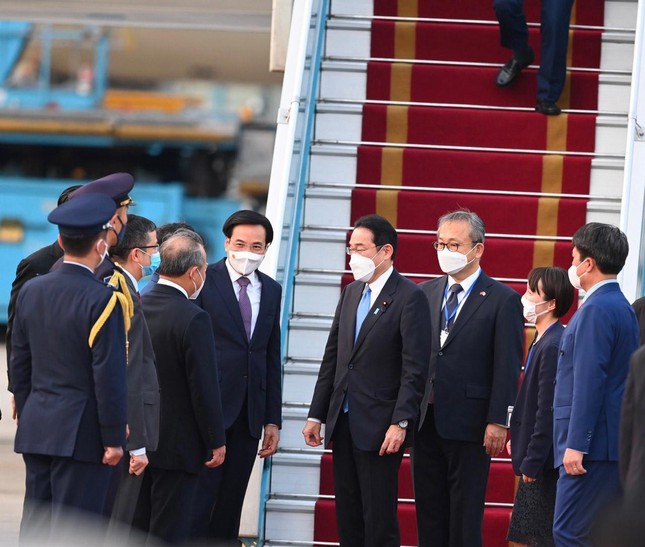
596 287
377 285
466 283
252 277
169 283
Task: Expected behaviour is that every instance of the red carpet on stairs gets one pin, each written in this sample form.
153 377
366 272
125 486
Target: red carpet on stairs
427 149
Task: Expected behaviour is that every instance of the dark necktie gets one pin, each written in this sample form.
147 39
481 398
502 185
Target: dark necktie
245 305
451 306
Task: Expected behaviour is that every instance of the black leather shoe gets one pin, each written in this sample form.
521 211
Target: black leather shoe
512 68
547 107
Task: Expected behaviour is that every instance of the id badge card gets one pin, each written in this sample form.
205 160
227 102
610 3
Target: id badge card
442 336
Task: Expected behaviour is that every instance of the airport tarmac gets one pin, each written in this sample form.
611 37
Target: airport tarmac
12 469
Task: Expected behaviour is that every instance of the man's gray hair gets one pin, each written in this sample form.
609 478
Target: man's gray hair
181 251
477 228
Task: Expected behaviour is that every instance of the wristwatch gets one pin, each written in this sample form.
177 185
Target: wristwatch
403 424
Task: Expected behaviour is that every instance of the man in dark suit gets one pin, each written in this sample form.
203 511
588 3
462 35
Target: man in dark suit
370 386
477 335
37 263
192 427
631 457
514 35
68 370
590 381
133 258
248 357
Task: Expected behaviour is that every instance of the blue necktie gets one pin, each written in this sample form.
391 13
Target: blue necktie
361 313
451 307
362 310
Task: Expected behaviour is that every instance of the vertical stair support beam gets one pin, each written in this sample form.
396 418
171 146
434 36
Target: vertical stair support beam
289 178
633 200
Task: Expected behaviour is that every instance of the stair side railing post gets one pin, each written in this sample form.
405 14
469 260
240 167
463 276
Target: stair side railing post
290 167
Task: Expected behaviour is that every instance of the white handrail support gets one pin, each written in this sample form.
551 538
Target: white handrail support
633 202
286 127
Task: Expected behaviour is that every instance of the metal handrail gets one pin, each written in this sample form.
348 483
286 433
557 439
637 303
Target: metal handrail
347 58
361 102
435 189
469 148
485 22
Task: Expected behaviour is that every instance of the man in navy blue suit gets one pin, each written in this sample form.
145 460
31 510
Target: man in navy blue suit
554 32
244 306
590 381
68 374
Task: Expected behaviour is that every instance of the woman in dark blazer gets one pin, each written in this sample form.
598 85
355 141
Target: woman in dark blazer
548 297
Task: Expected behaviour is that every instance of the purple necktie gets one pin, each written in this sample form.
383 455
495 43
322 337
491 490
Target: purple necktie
245 305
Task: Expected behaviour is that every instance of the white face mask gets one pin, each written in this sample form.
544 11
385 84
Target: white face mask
452 262
529 309
197 291
102 254
574 278
363 267
244 262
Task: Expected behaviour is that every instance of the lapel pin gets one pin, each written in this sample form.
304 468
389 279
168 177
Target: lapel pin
377 310
482 293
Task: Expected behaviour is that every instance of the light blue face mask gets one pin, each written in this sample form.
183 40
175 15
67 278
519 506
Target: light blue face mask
155 260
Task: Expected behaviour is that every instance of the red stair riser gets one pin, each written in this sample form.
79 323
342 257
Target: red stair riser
473 170
436 42
591 12
421 210
478 128
474 85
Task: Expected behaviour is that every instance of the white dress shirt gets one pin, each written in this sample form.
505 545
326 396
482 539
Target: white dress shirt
253 290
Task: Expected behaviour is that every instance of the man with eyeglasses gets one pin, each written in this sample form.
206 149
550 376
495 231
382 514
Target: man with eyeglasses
244 306
477 337
137 255
370 385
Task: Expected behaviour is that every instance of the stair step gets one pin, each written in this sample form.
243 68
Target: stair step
333 164
348 81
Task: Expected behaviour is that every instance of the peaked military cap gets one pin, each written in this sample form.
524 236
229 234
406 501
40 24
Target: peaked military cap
117 186
85 215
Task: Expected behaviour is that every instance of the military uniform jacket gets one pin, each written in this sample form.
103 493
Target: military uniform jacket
70 398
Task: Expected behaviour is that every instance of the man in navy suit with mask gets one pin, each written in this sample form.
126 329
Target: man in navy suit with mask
590 381
244 306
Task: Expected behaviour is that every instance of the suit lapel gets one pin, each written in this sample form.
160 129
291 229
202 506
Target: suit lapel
436 294
224 287
264 303
476 298
379 308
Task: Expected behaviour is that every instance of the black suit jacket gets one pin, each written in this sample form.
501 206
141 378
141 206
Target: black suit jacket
631 457
37 263
248 370
384 372
143 385
70 398
191 410
532 419
476 372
